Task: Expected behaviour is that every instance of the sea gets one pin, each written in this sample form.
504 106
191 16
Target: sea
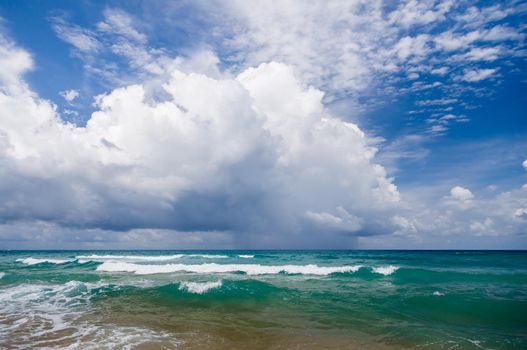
258 299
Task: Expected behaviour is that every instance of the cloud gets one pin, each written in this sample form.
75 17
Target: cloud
482 54
355 45
358 53
119 22
246 155
69 95
474 75
440 102
82 39
461 194
15 62
249 152
524 164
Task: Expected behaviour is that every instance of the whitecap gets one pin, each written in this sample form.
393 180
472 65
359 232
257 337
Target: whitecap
34 261
2 274
132 258
244 256
102 258
208 256
199 287
385 270
250 269
438 294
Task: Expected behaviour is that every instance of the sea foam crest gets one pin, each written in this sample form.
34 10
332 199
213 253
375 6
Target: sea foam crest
199 287
96 257
250 269
34 261
131 258
385 270
246 256
2 274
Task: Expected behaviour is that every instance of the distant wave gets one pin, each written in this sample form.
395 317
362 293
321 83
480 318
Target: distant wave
208 256
199 287
385 270
132 258
246 256
250 269
34 261
2 274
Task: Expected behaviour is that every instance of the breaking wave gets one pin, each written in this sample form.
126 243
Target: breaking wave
249 269
385 270
200 287
34 261
138 258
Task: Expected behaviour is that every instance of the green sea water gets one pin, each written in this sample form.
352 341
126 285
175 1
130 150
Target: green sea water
263 300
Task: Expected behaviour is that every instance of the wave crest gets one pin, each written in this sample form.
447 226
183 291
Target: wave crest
34 261
249 269
385 270
200 287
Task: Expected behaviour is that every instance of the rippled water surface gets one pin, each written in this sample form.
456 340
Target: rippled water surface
263 300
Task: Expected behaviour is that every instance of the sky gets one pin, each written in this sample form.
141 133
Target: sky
263 125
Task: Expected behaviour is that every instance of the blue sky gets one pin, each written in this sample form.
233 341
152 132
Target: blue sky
231 124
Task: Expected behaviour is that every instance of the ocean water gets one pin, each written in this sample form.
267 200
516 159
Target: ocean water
263 300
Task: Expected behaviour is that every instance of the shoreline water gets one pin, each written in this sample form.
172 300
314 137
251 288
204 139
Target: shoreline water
263 299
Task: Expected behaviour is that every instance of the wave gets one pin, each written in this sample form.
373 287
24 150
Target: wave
244 256
249 269
199 287
132 258
385 270
40 314
2 274
96 257
34 261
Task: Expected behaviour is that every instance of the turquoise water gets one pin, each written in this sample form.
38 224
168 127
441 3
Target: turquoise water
263 299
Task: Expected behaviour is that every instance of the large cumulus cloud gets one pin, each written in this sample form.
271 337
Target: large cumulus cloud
256 155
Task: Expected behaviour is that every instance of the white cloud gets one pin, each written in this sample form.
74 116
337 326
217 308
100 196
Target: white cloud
14 62
120 22
461 194
475 75
438 102
70 112
483 54
524 164
69 95
440 71
82 39
521 212
251 154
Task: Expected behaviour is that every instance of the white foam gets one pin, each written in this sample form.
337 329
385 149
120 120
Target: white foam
438 294
250 269
385 270
40 314
34 261
132 258
102 258
2 274
199 287
246 256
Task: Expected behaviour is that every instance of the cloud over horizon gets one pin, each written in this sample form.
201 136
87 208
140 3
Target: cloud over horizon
239 144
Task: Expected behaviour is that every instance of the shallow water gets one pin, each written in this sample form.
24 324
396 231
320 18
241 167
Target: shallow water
263 300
